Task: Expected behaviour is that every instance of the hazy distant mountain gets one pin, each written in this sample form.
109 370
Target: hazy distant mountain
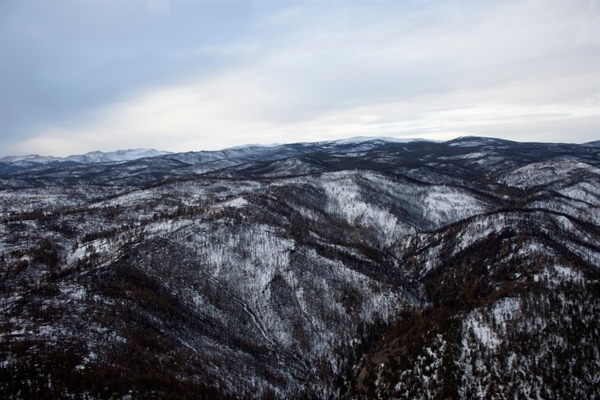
18 163
88 158
362 268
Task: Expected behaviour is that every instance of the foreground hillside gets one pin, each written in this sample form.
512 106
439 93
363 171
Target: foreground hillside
355 269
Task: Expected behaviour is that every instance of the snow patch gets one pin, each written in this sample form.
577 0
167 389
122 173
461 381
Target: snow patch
546 172
487 325
443 205
235 203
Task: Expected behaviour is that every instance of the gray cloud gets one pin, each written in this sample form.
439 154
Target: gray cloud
60 59
185 76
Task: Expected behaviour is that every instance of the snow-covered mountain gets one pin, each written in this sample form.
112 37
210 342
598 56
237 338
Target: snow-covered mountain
349 269
239 151
88 158
115 156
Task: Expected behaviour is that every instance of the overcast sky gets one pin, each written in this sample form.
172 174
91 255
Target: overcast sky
79 76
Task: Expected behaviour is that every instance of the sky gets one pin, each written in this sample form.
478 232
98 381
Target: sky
179 75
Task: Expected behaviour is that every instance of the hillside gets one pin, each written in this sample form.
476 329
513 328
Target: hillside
352 269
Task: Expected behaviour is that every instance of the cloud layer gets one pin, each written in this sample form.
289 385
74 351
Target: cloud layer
186 76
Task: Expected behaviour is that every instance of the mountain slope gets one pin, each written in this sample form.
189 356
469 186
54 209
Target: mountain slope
358 269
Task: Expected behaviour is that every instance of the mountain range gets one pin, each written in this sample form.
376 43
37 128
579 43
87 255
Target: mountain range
20 163
363 268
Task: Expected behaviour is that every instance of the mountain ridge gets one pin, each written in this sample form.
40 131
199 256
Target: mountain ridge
189 164
354 270
87 158
149 152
